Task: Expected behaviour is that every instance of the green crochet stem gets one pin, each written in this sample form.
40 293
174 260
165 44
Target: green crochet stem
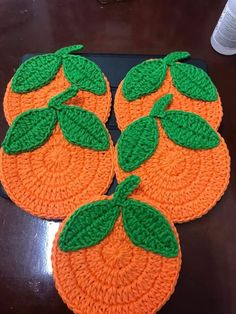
176 56
57 101
160 106
125 188
67 50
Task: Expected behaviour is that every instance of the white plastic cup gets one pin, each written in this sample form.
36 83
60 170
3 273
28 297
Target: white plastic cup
223 39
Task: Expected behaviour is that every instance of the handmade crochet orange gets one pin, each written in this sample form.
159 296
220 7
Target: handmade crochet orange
49 161
114 276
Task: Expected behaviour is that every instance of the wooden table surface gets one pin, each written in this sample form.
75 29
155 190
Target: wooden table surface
207 283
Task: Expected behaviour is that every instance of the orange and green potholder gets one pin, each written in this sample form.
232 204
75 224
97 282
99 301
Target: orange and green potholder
116 254
183 162
57 151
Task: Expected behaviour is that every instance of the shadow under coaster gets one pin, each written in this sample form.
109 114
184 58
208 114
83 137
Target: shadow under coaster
115 67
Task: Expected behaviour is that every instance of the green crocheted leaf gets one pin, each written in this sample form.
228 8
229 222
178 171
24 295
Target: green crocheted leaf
125 188
189 130
84 73
149 229
82 127
36 73
144 79
193 82
30 130
89 225
137 143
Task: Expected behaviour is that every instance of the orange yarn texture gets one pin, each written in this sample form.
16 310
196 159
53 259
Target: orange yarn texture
184 183
114 276
14 103
128 111
50 181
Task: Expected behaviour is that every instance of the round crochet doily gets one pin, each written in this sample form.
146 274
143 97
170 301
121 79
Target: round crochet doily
114 276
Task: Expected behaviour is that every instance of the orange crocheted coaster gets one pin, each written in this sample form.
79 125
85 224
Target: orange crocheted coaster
15 103
115 275
50 181
184 183
128 111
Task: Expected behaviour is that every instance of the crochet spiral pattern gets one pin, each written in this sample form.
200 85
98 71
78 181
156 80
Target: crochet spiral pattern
57 151
117 272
